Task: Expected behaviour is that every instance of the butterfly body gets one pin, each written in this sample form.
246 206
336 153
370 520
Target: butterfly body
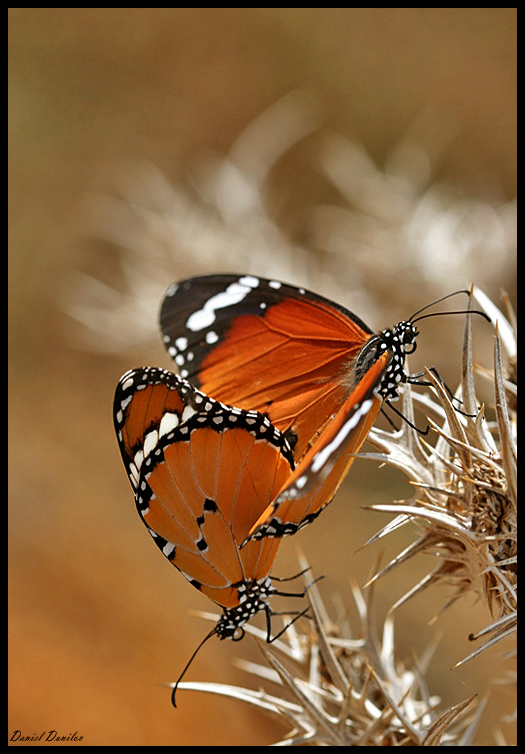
253 597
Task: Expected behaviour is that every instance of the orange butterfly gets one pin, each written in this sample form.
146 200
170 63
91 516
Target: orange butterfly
216 486
264 345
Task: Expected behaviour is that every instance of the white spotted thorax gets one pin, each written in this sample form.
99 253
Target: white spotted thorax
253 597
400 341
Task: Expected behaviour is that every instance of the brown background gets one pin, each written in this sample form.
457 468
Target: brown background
98 619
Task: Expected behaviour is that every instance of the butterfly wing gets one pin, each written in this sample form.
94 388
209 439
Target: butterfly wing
264 345
317 477
202 473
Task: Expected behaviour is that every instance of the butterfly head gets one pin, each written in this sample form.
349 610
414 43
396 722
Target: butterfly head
399 341
253 597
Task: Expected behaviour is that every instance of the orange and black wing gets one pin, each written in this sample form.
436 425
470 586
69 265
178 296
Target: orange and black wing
264 345
202 473
317 477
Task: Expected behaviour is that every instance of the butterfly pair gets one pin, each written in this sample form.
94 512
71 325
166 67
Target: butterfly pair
278 389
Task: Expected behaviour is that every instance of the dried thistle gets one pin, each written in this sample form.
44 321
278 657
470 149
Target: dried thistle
465 499
343 687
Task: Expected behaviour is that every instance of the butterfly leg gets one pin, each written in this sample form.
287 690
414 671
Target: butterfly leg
414 379
296 594
290 578
423 432
269 638
269 612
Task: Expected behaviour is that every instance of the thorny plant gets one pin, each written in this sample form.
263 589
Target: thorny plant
346 688
466 489
340 686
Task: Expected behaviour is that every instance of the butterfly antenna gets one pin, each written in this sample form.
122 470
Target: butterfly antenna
438 301
175 687
458 311
414 318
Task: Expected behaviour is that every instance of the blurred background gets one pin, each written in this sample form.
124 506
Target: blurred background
366 153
